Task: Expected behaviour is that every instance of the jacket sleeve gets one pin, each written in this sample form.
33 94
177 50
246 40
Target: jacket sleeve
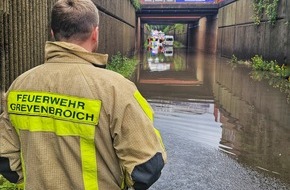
137 142
10 162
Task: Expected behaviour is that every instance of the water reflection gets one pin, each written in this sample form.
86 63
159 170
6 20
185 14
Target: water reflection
275 81
202 98
178 85
180 75
193 121
255 119
165 59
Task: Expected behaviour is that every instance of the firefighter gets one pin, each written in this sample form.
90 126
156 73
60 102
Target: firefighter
70 124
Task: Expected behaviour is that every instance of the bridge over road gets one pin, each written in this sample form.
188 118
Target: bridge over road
156 12
226 27
178 10
167 12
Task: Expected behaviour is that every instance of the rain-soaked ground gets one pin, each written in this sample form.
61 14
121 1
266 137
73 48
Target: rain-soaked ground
222 129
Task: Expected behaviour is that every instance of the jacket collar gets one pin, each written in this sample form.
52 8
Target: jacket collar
71 53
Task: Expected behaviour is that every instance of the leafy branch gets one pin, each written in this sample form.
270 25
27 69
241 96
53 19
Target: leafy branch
268 8
136 4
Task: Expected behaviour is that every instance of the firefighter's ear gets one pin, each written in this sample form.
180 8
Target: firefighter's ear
95 34
52 34
95 39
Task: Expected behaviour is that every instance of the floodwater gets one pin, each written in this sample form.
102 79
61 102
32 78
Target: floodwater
202 98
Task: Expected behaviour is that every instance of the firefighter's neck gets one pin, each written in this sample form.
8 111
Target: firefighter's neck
90 44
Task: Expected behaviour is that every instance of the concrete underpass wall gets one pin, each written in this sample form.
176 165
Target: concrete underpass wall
203 35
117 26
238 35
24 29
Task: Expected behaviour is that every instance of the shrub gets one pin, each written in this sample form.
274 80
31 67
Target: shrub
259 64
177 44
123 65
5 185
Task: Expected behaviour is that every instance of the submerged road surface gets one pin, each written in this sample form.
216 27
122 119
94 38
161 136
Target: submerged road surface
222 129
194 160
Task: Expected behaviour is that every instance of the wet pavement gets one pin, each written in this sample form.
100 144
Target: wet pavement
222 129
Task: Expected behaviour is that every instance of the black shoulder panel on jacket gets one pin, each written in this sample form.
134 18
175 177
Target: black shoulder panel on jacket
6 171
144 175
100 66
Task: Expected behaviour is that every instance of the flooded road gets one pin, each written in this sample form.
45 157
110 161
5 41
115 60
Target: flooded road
221 128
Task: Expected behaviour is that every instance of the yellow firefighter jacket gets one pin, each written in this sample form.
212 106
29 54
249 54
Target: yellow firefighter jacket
69 124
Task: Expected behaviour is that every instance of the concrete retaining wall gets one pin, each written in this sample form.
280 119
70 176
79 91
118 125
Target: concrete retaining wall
23 32
117 26
24 29
203 35
238 34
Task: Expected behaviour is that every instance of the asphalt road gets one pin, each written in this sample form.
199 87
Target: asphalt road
194 160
